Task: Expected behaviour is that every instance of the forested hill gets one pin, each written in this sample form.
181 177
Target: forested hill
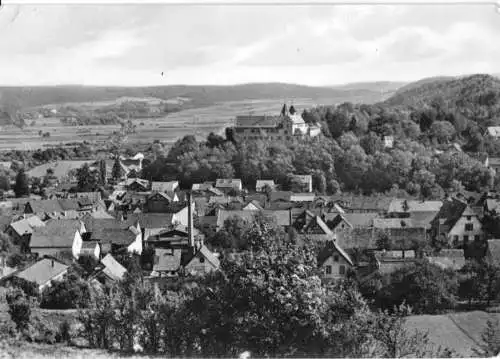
198 95
476 95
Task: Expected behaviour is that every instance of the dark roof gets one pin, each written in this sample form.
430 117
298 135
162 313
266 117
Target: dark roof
450 212
280 196
118 236
151 220
42 271
330 248
55 233
356 220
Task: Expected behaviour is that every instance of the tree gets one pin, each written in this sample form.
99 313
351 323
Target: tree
4 183
21 188
394 340
87 179
424 286
102 172
19 308
442 130
117 170
70 293
490 340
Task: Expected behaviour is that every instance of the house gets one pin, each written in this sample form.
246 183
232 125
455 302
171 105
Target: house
403 233
167 187
20 231
160 202
167 261
280 196
388 141
494 164
54 207
137 185
226 185
362 204
301 183
112 271
449 259
44 272
273 127
58 235
252 206
261 185
354 230
334 262
456 223
120 237
387 262
302 197
493 131
317 230
202 262
88 249
493 251
345 221
405 208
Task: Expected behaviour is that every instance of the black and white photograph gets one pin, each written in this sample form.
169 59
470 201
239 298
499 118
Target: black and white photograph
249 179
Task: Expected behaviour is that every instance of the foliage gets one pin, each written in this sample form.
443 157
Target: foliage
88 179
19 308
424 286
117 170
394 340
490 340
70 293
21 188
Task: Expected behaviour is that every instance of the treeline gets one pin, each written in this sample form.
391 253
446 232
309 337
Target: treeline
353 161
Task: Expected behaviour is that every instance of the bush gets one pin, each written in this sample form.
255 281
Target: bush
64 334
70 293
19 308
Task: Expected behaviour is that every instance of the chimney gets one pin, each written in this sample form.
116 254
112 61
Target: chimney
190 221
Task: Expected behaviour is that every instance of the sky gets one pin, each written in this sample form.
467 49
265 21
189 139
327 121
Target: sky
322 45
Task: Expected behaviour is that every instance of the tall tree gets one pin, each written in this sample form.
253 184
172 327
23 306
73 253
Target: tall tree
117 171
102 172
87 179
21 188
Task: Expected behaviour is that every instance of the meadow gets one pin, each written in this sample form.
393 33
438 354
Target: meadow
196 121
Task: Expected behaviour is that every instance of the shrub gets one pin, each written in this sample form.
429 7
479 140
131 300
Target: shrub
19 308
64 333
70 293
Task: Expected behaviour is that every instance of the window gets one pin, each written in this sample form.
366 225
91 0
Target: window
328 269
468 218
455 239
469 227
157 259
342 270
202 260
336 258
477 238
466 239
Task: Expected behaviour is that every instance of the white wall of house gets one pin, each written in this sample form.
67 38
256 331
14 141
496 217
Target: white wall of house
77 245
55 279
461 230
199 265
335 267
136 246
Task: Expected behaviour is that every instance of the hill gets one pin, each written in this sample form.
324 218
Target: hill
377 86
23 97
478 94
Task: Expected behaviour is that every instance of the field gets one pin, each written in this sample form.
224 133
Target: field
198 121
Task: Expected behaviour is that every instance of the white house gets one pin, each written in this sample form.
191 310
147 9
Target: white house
334 262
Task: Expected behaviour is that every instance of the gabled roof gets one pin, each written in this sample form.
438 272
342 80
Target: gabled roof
280 196
317 220
355 220
112 268
42 271
170 186
397 205
390 223
262 183
450 212
151 220
167 260
55 233
25 226
254 203
225 200
209 256
302 197
494 131
228 183
162 195
330 248
117 236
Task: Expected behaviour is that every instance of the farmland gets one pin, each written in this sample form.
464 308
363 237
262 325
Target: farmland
196 121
